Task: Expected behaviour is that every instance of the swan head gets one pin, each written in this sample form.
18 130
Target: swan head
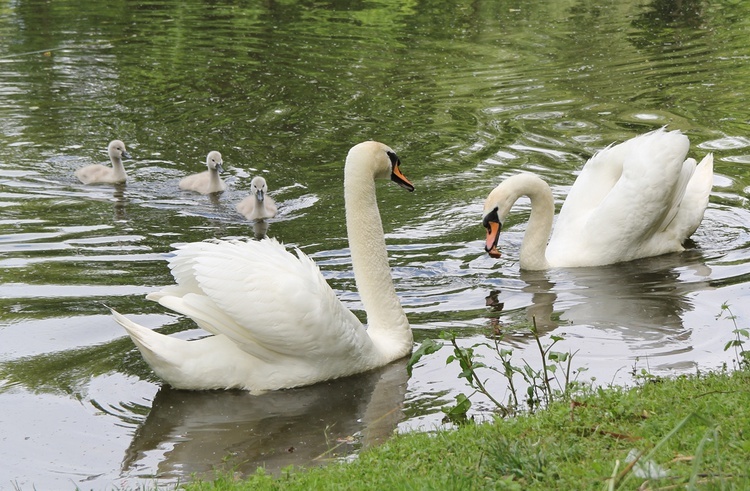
214 162
496 209
493 224
382 160
117 150
259 188
498 205
500 201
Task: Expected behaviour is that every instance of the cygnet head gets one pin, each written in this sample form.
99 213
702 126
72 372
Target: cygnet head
214 162
117 150
382 160
259 188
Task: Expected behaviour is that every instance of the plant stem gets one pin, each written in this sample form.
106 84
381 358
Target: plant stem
474 378
548 388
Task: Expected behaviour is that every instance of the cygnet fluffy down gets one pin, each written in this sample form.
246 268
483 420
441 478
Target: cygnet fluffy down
259 205
206 182
101 174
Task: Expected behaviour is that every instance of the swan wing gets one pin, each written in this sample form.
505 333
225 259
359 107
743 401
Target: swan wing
267 300
181 265
689 213
595 181
623 198
608 179
654 177
202 183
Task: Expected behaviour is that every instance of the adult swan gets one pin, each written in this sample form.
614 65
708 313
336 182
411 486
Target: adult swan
275 321
640 198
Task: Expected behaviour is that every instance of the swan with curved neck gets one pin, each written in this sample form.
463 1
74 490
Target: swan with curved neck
208 181
259 205
275 321
638 199
101 174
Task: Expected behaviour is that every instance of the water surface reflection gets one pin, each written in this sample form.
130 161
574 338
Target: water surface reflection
185 431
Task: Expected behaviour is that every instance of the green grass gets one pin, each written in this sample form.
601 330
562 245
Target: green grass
696 428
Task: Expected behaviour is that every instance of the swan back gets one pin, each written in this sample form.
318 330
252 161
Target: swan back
209 181
101 174
259 205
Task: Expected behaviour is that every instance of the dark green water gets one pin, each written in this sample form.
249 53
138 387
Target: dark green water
467 93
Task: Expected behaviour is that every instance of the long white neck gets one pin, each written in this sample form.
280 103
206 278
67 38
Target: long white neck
534 246
119 169
388 326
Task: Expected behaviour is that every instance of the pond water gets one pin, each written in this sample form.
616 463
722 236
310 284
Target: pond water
466 92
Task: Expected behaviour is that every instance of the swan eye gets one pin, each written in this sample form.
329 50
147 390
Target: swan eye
394 158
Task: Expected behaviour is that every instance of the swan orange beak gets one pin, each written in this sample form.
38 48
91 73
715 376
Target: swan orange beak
399 178
493 233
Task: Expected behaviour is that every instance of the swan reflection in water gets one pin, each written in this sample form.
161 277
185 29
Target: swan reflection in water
198 432
260 229
642 302
120 202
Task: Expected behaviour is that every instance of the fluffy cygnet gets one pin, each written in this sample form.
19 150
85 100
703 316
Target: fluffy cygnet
101 174
206 182
259 205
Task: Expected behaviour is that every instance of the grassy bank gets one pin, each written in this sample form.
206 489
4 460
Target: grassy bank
690 432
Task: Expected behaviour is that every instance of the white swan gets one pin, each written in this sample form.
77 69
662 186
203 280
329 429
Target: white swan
259 205
640 198
101 174
208 181
275 321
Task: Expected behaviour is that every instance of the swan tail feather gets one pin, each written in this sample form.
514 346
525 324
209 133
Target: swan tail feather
193 364
149 342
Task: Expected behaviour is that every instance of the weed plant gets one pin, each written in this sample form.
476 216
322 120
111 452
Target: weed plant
742 356
552 381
